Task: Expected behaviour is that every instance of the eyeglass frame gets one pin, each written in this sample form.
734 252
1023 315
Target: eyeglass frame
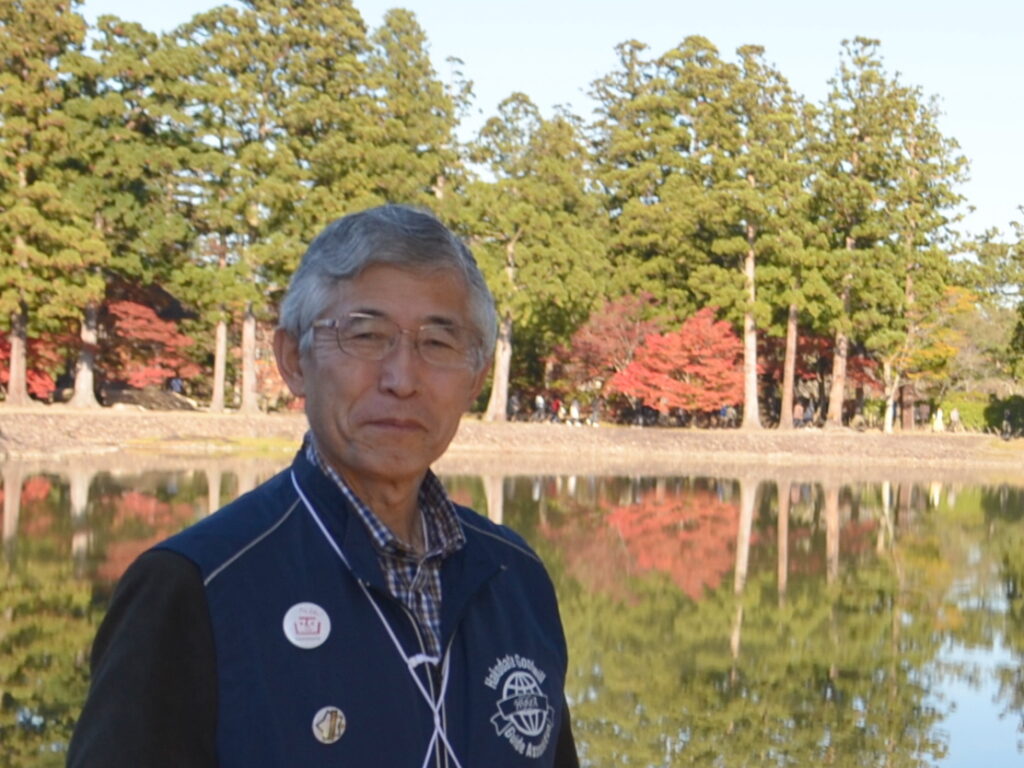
473 352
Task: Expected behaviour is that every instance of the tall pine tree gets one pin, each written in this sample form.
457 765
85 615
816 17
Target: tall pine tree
125 146
536 228
44 235
854 166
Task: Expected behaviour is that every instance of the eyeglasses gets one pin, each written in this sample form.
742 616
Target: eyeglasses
371 337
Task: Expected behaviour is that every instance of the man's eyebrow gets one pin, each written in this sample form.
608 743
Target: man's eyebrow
439 320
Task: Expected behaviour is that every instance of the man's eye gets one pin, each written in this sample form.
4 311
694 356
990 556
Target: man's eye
439 343
440 340
368 336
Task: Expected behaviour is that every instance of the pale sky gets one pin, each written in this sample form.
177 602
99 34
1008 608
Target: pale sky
966 53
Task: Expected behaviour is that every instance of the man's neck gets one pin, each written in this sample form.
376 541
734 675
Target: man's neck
396 505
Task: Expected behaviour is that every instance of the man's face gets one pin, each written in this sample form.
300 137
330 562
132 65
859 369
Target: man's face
384 421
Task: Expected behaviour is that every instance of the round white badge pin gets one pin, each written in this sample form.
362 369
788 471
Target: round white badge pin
329 725
306 625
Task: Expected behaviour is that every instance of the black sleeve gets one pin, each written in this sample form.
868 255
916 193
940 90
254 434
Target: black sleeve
152 697
565 751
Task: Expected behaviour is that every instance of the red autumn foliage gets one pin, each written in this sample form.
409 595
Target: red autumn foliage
142 349
607 342
697 368
813 361
44 360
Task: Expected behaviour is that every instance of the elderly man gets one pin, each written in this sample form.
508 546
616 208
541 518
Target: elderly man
346 612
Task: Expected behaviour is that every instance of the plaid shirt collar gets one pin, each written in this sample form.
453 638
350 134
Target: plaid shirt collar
443 534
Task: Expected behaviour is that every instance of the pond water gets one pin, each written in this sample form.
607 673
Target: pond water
746 619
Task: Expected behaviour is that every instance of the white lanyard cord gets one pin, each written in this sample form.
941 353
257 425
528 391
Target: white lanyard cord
411 662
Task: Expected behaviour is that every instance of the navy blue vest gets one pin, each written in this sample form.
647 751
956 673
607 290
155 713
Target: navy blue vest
292 692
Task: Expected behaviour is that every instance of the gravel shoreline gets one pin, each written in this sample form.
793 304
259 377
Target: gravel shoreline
52 432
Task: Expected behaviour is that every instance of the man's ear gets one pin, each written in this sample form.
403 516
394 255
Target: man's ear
289 361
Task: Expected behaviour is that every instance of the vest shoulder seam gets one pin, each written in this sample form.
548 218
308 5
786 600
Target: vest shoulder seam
503 540
249 545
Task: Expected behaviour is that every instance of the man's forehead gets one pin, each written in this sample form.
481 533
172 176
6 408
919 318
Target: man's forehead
423 295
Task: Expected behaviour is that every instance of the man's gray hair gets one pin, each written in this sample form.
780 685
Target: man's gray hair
389 234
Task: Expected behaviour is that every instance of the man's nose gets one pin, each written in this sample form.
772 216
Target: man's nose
399 368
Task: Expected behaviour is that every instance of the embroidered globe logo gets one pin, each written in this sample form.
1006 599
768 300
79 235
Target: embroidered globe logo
530 714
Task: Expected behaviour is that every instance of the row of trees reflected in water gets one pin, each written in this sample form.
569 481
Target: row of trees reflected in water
714 622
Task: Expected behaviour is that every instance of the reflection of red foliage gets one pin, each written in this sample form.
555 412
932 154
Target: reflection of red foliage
167 518
594 554
36 488
136 505
690 535
36 516
856 539
121 554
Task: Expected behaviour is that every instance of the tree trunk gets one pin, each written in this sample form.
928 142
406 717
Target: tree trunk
79 480
749 487
498 402
85 365
213 481
892 386
907 395
885 529
245 476
17 382
789 370
250 395
751 407
832 533
220 354
842 350
494 493
838 388
748 501
784 490
12 474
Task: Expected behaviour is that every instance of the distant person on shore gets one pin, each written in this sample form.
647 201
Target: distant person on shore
539 410
954 420
809 414
574 412
512 407
304 624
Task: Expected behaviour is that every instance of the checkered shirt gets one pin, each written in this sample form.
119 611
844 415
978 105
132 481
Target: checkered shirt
414 579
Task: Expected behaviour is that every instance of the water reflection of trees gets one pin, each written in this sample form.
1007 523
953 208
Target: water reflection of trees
822 657
68 534
45 625
727 622
1003 509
